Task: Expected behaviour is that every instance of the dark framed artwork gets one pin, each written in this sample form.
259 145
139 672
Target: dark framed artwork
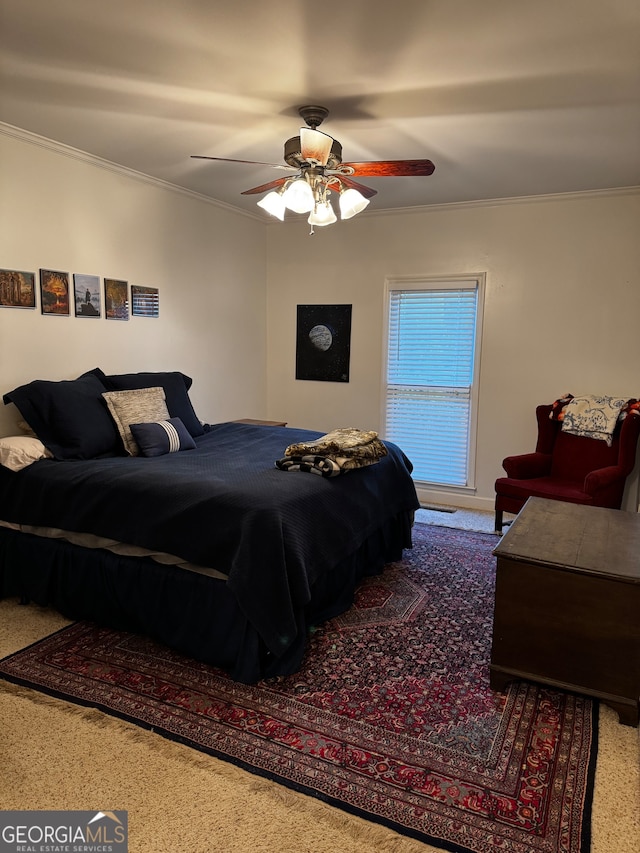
116 299
86 290
17 289
54 292
323 342
144 301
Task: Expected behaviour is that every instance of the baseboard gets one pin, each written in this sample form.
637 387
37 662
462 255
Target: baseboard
441 497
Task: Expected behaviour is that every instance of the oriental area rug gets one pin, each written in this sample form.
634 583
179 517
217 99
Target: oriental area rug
391 716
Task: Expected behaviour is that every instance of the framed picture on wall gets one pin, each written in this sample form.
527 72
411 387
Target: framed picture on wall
144 301
54 292
116 299
86 290
323 342
17 289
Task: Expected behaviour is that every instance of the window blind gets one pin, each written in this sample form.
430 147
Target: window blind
430 369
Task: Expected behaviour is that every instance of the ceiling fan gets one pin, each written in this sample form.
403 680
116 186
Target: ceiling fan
316 158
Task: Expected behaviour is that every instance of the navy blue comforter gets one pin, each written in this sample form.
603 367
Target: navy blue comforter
225 506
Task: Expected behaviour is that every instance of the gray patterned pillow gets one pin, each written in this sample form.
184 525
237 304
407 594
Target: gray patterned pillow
139 405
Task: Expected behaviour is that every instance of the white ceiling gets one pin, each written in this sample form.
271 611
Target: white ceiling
507 97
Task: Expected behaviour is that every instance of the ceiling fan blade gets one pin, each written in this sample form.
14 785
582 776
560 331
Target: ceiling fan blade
249 162
367 192
264 187
392 168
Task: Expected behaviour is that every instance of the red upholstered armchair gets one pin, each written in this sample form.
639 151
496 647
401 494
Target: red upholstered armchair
568 467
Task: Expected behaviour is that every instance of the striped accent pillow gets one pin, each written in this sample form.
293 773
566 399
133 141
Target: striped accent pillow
160 437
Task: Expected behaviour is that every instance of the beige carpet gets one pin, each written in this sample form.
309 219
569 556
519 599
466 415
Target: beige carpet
56 755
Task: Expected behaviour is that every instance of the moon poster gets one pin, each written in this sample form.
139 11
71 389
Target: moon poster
323 342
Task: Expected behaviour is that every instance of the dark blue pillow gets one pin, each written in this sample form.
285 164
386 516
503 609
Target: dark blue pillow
156 439
70 417
175 385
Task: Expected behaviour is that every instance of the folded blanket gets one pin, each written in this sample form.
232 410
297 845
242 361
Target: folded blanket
558 407
325 466
592 416
309 463
346 442
632 407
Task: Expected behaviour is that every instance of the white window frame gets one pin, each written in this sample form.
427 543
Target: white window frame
447 282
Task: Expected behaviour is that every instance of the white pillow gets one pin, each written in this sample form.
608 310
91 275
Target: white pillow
19 451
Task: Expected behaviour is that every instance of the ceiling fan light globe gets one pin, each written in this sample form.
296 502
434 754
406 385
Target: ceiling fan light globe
323 214
351 203
315 146
274 204
298 197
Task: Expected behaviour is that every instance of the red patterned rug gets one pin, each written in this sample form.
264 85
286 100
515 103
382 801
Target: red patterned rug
391 716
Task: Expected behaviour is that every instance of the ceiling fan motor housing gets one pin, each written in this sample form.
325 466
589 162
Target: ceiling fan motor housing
293 154
313 115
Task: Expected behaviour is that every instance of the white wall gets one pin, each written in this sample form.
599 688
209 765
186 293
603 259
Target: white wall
561 312
63 211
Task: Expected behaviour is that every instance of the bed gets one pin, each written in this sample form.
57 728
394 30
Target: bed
210 549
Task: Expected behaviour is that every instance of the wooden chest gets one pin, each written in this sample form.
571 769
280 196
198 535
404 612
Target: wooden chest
567 604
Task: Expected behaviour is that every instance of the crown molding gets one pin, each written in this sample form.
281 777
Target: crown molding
613 192
83 156
499 202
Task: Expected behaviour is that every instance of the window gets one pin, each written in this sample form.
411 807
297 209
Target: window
433 348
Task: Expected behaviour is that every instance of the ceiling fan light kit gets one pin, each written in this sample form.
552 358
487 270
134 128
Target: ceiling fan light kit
299 196
274 204
316 145
351 202
322 214
317 158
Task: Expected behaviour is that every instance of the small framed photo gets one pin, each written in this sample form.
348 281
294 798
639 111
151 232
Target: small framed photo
144 301
54 292
116 299
17 289
86 289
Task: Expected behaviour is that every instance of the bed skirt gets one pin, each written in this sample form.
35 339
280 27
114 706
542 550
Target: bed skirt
191 613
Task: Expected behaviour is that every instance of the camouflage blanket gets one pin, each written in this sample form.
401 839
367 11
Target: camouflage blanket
347 442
